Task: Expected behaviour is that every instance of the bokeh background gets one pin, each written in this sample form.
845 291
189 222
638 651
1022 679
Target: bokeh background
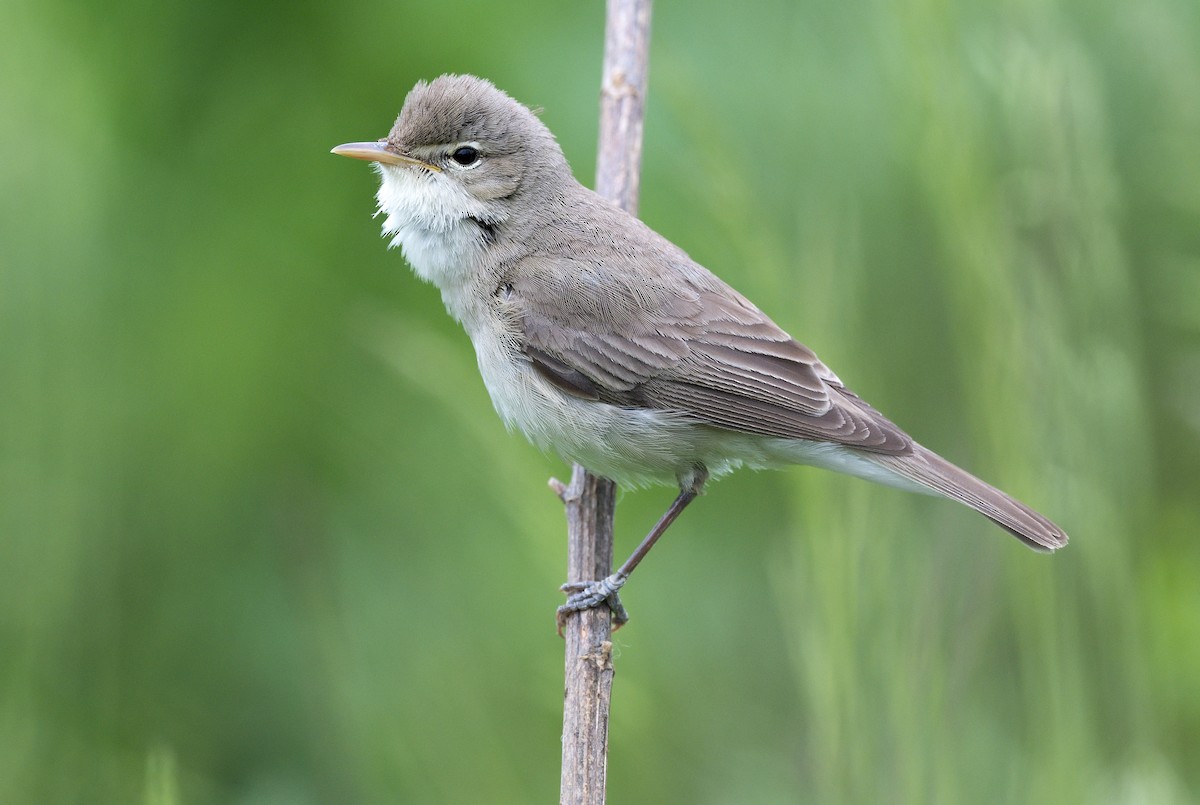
263 539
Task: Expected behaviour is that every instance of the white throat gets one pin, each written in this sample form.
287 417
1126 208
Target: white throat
429 218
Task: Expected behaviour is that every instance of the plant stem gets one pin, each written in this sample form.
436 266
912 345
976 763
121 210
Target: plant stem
590 501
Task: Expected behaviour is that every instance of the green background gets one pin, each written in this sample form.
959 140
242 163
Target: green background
263 539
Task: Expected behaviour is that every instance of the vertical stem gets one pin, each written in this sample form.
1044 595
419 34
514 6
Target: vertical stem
623 101
590 500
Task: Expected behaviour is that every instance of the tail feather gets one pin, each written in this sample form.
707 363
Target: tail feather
930 470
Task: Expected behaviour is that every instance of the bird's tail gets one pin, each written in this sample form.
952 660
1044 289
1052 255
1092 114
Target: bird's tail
928 469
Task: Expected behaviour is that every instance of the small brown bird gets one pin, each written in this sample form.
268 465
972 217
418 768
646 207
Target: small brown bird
601 340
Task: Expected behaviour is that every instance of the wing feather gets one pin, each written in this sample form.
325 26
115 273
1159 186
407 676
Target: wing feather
693 346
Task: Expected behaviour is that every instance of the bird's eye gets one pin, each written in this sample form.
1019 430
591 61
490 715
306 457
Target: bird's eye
465 155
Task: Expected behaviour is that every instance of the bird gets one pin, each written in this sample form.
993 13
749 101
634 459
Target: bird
601 340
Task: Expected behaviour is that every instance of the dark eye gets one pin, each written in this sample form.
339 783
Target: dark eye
465 155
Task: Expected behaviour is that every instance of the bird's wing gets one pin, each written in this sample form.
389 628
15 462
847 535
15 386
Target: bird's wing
687 343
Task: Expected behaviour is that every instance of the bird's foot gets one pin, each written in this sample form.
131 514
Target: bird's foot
591 594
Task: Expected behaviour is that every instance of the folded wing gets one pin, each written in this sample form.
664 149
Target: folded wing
694 347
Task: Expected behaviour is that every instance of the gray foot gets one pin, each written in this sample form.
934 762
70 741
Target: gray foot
591 594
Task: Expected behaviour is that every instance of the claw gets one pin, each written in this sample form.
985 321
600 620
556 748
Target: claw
591 594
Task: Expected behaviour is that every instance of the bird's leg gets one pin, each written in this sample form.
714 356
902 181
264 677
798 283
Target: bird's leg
589 594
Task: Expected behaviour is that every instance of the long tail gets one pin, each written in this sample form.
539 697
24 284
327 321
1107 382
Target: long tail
930 470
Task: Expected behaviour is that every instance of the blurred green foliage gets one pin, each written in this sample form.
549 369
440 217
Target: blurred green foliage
262 539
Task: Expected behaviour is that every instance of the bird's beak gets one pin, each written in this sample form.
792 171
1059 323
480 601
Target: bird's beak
379 152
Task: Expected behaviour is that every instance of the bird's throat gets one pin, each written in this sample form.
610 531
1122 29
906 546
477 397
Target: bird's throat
435 222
